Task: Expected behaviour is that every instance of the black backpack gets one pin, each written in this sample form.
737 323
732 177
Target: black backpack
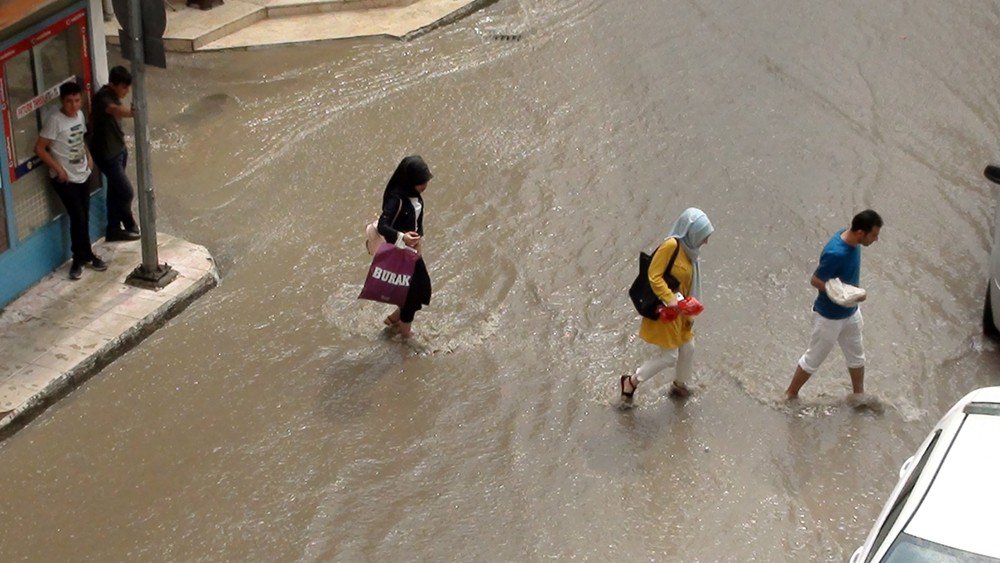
641 293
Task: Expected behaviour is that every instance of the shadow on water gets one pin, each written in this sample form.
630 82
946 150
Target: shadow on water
350 383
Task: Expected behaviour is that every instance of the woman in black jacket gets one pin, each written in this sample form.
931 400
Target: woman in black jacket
402 224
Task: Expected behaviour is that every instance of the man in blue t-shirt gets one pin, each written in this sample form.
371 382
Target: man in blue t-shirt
833 323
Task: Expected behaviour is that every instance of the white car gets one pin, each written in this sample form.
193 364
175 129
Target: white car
946 505
991 310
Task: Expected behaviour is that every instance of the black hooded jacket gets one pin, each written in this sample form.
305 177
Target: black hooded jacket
398 214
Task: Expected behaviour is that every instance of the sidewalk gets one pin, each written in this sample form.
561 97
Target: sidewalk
61 331
244 24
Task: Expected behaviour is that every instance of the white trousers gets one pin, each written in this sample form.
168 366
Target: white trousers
827 332
663 358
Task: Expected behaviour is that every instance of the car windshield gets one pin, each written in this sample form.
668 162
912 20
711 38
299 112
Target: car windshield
911 549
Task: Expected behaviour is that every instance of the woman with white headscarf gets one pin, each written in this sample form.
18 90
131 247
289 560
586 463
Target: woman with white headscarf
674 339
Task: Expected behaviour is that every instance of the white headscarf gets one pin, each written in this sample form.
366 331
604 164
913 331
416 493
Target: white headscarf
692 228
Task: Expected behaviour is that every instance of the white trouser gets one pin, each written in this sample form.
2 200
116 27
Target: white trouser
827 332
663 358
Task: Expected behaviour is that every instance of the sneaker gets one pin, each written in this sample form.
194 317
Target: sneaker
75 270
98 264
116 236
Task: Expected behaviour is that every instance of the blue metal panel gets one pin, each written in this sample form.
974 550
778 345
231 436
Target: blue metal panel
36 256
8 201
45 250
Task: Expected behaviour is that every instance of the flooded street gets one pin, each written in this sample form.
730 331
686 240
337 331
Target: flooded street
274 420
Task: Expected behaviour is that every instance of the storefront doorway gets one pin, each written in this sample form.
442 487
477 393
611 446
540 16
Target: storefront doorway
41 56
31 72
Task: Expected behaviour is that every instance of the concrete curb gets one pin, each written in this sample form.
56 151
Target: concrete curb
451 18
193 32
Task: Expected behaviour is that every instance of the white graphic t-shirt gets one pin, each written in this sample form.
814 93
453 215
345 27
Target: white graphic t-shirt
67 146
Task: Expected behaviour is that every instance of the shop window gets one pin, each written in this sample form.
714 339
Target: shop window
20 83
31 75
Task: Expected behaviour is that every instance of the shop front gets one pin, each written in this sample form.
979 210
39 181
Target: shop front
44 48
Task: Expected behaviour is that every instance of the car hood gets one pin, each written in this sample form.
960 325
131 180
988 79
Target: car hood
959 509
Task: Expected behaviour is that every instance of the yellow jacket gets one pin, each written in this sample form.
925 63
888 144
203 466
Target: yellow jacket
680 330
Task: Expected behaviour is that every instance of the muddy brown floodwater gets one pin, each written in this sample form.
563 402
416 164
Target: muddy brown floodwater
275 421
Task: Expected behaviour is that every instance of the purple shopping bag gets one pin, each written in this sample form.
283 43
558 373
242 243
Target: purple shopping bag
389 276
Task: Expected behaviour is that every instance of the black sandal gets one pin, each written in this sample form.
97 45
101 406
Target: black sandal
627 397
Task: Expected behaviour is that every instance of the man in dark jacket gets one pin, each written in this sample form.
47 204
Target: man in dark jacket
108 148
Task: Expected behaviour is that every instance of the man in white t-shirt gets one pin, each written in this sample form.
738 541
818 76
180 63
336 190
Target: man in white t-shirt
61 147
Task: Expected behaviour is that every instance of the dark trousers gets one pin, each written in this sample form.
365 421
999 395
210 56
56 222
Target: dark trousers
120 193
419 294
76 199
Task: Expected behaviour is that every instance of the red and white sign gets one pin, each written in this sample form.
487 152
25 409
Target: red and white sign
9 114
42 99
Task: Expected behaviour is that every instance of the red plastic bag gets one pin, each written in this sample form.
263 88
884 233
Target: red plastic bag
690 306
389 276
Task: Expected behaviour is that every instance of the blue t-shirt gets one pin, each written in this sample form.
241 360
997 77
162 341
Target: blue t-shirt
838 260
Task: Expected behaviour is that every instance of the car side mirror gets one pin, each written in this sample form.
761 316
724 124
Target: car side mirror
992 173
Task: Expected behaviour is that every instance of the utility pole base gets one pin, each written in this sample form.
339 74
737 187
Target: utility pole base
161 277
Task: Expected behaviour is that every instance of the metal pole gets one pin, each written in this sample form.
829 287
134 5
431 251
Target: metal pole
150 274
147 211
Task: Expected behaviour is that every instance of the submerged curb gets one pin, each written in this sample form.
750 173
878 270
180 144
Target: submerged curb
247 25
461 13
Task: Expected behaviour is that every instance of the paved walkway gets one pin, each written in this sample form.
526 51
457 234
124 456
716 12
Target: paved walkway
60 332
244 24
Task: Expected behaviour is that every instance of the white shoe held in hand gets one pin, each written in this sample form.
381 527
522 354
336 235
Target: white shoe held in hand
843 294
